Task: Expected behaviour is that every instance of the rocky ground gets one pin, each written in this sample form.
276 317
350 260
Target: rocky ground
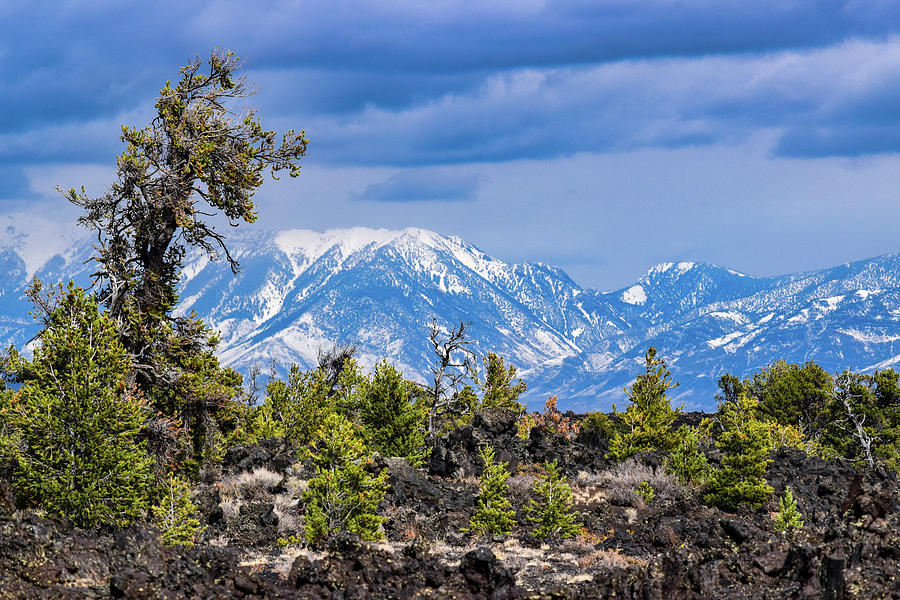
675 547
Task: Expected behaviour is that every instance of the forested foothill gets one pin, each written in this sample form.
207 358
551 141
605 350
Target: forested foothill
133 464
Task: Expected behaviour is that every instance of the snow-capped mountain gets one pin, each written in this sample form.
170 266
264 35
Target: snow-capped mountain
299 291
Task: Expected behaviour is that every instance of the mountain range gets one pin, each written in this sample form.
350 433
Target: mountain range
300 291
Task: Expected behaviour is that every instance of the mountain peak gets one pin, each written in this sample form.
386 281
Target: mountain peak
314 244
674 270
664 267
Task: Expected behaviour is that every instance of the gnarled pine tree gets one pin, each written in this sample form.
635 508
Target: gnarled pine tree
196 159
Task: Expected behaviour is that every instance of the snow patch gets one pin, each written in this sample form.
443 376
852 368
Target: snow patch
634 295
721 341
800 317
729 315
600 360
194 267
311 245
832 302
868 337
732 347
660 268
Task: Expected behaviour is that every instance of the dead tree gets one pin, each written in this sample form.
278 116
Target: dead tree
454 364
332 361
853 423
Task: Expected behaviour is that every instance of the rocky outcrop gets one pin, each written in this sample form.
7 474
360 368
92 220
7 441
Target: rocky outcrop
48 558
274 454
356 570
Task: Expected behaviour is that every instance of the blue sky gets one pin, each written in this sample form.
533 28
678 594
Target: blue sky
601 136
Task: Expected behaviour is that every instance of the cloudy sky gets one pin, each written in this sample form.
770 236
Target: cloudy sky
600 135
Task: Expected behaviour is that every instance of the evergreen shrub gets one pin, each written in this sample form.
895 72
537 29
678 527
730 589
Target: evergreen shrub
176 515
493 512
788 516
498 390
342 496
687 461
647 422
393 423
75 422
745 444
645 491
553 513
293 409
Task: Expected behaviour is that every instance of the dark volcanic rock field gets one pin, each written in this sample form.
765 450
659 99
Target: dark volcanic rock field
675 548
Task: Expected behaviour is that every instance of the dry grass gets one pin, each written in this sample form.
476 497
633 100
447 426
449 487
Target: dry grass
254 485
607 560
278 563
296 486
285 508
588 496
231 508
576 560
618 485
259 485
520 487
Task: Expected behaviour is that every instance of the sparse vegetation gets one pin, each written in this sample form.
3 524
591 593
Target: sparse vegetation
124 417
555 422
620 483
454 364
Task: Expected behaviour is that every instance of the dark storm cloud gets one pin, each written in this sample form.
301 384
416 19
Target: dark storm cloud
81 59
423 186
454 36
802 98
413 83
65 62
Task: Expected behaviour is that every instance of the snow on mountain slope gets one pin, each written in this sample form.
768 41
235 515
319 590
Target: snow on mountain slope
299 291
36 240
31 246
379 289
